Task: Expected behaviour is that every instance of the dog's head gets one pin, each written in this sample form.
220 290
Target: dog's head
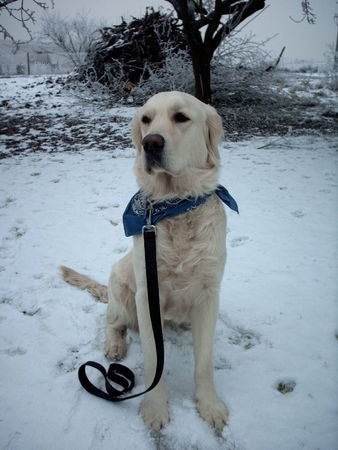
177 137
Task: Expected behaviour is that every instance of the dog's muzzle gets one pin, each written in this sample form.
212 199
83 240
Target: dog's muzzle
153 145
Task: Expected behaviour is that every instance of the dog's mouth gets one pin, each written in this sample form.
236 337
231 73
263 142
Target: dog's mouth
153 164
154 167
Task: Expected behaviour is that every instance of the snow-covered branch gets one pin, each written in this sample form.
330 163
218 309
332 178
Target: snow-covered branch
23 14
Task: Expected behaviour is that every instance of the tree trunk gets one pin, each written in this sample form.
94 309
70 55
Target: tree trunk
200 55
206 80
202 50
198 78
202 68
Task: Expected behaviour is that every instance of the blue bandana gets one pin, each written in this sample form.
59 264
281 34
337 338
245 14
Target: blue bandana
135 215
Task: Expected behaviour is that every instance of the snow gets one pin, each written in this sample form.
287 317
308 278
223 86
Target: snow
278 306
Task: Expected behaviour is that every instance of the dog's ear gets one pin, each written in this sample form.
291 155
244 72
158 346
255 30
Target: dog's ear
136 133
214 135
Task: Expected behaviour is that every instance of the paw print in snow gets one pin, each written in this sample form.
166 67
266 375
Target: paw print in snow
241 240
298 213
285 386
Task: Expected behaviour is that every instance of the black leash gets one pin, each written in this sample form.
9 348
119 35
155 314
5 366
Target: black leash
118 373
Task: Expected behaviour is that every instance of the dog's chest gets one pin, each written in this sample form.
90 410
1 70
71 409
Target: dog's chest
191 246
190 258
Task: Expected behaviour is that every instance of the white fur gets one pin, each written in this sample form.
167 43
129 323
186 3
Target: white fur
191 251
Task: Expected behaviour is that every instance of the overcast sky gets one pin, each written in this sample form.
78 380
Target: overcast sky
302 41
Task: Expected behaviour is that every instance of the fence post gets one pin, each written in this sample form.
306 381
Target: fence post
28 65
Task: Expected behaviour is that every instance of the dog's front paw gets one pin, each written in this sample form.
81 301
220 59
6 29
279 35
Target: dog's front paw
115 348
213 410
155 413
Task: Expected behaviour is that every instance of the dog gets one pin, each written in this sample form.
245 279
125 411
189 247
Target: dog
176 137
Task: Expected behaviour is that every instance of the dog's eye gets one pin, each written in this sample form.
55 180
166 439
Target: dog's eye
146 119
180 118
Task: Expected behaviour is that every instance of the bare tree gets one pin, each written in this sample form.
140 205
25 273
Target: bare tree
218 18
206 23
72 36
18 11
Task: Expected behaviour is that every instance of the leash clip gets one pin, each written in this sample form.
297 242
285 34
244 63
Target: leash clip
149 227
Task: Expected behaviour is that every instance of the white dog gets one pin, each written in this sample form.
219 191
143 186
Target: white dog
176 137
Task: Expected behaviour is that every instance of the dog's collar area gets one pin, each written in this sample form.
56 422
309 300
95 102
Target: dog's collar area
141 210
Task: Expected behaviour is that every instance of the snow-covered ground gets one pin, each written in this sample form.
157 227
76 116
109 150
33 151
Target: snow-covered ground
277 328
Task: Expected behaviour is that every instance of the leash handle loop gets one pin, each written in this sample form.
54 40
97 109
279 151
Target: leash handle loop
117 373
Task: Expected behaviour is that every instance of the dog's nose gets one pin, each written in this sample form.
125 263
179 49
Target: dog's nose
153 143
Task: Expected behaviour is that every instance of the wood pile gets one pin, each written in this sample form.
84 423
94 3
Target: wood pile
125 52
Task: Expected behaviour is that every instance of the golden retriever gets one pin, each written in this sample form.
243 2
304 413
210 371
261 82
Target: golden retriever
176 137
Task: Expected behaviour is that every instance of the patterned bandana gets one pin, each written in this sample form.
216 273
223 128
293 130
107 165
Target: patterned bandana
135 215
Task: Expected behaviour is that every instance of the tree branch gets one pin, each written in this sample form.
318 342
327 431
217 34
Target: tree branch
308 13
227 7
176 4
22 14
249 8
4 3
214 23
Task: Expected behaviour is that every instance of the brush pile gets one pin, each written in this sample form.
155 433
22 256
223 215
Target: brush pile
124 53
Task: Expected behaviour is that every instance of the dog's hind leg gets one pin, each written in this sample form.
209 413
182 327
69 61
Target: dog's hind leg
121 311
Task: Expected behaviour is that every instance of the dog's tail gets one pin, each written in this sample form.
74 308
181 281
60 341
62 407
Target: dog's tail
99 291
